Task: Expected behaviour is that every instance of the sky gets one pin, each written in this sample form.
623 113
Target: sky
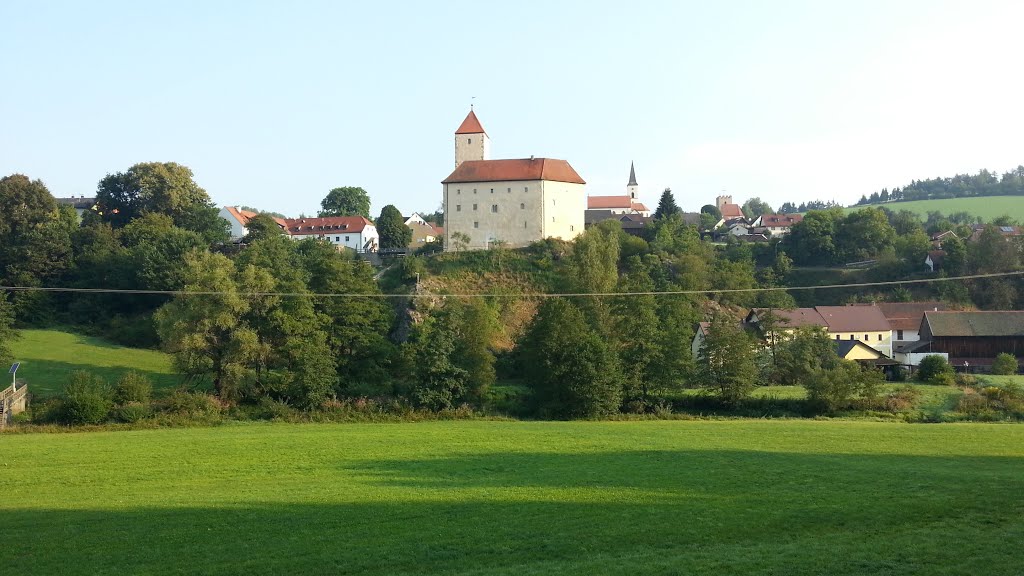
272 104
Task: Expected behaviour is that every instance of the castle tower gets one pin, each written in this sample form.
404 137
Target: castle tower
722 201
471 142
632 188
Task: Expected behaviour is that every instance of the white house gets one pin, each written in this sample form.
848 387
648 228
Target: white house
626 204
777 224
354 232
238 219
516 201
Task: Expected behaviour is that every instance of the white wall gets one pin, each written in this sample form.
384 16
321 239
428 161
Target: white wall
237 230
472 147
525 209
354 240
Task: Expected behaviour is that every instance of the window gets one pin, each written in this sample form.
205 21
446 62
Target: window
522 205
474 206
469 140
492 190
474 190
526 189
458 207
458 191
851 336
476 224
552 218
867 337
572 228
837 336
494 207
509 190
524 223
552 201
346 238
899 334
338 238
879 337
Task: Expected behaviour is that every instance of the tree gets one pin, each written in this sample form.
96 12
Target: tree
159 188
568 365
712 210
35 242
863 234
755 207
725 362
955 262
803 352
440 381
261 226
477 325
87 399
666 206
394 234
833 389
1005 364
346 201
7 333
811 241
460 241
934 369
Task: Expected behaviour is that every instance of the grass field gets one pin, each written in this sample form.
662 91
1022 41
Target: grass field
989 207
697 497
48 356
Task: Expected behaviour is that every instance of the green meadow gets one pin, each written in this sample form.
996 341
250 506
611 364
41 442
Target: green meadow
988 207
48 356
523 498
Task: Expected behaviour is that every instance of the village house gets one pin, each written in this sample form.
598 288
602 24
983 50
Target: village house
238 220
776 225
517 201
933 260
79 203
353 232
423 232
866 324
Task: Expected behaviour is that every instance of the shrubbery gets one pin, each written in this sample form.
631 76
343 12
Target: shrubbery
87 399
935 369
1005 364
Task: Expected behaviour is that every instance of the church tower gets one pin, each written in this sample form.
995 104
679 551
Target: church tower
471 142
632 188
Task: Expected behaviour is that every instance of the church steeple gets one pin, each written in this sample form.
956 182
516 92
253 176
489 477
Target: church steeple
632 188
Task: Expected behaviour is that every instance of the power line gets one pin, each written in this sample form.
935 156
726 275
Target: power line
487 295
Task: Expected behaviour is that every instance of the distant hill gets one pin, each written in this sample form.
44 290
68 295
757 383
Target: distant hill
988 207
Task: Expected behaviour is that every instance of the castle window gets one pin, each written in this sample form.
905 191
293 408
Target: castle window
552 201
509 190
458 207
469 140
474 206
492 190
552 218
476 224
458 191
572 228
474 190
522 205
526 189
524 223
494 207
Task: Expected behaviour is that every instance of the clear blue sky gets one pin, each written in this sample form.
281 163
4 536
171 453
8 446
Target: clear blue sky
273 103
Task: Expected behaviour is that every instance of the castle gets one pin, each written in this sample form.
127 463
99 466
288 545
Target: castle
515 202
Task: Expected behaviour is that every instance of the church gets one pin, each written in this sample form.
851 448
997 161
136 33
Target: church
515 202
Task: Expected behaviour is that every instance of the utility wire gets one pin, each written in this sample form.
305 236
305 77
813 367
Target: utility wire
511 295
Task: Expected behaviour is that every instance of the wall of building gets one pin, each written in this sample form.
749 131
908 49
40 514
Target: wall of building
881 341
516 212
237 230
342 239
472 147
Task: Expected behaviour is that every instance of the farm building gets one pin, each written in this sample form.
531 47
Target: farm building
972 339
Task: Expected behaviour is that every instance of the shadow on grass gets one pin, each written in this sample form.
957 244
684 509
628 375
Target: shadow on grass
661 512
47 377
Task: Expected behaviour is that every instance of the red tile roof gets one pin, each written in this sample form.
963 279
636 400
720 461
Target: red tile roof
608 202
906 315
513 170
780 220
854 318
243 216
471 125
731 211
329 225
639 207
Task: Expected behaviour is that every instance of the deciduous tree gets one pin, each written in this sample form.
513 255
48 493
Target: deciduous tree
346 201
394 234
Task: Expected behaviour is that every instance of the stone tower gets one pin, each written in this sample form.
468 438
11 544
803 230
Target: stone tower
632 188
471 142
722 200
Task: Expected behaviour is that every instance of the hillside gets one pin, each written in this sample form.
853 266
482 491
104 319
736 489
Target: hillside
48 356
988 208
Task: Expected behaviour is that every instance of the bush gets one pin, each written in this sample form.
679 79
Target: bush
132 412
965 380
835 389
902 400
192 404
87 399
1005 364
133 387
933 368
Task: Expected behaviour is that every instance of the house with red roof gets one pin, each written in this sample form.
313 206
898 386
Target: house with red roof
514 201
353 232
627 203
238 220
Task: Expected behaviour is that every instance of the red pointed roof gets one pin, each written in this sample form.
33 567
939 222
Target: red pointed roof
520 169
471 125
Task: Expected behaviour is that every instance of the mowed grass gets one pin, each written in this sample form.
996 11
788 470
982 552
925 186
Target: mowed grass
988 207
518 498
48 356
